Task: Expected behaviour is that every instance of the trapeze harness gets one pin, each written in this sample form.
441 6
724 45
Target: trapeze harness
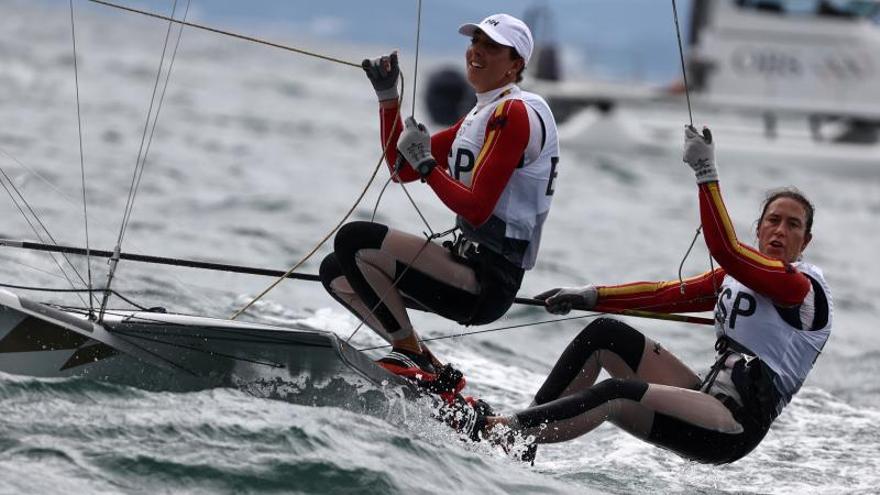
779 344
496 171
764 353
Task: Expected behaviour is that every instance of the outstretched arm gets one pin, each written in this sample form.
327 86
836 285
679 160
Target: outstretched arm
690 295
694 294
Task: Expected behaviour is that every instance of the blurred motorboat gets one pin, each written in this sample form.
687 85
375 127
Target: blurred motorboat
787 79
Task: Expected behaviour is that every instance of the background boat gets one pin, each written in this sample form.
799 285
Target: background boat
780 80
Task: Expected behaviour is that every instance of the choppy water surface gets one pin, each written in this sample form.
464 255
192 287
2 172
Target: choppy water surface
257 154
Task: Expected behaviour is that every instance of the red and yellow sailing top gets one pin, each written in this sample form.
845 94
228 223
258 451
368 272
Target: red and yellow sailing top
497 170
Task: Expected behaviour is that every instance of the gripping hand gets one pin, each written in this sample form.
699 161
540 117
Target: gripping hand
699 153
383 72
414 145
562 300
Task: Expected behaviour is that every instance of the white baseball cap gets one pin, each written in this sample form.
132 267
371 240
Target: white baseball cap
505 30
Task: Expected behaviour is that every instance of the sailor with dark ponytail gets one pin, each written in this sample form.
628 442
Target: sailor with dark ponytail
773 317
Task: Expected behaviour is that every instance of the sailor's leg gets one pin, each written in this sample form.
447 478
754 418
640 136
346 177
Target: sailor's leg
427 275
390 270
408 271
633 405
622 351
338 287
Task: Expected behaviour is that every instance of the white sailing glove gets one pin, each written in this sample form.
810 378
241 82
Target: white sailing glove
699 153
414 145
562 300
383 72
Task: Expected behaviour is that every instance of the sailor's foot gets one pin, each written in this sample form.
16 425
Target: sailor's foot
475 420
443 380
516 446
499 433
528 453
467 416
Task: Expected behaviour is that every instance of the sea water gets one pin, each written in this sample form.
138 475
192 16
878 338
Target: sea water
257 154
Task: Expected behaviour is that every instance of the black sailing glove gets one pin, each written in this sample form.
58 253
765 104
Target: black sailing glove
383 72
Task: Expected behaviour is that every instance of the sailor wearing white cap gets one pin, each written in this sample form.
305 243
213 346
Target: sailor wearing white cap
505 30
495 169
501 46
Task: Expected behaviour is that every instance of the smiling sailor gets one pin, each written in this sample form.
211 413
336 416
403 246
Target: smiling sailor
495 169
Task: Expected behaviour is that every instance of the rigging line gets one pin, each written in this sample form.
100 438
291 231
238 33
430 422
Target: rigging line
714 282
50 289
416 207
635 313
686 254
638 312
488 330
18 162
82 165
416 66
139 163
342 220
413 113
12 259
228 33
156 117
187 287
379 198
37 231
125 299
397 168
687 91
36 218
